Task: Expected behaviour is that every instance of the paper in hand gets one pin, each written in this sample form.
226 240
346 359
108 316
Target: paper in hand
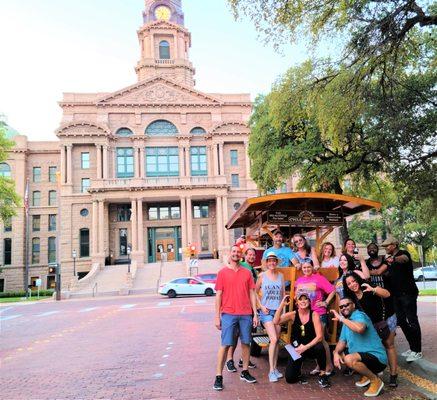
293 353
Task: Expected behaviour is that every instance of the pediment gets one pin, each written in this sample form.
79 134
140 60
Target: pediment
158 91
82 128
231 128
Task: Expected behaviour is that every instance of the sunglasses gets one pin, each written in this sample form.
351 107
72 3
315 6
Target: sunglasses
344 306
298 241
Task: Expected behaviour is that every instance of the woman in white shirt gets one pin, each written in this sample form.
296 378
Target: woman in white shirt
327 257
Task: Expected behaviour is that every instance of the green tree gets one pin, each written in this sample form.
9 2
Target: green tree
9 199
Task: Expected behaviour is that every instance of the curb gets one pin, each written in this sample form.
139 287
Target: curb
422 367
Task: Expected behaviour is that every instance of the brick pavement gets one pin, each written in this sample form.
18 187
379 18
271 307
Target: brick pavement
143 352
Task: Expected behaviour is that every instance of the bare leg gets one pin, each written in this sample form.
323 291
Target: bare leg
230 355
391 353
245 354
329 366
221 356
354 362
278 334
271 331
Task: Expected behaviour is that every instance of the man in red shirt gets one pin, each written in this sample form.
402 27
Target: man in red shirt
235 304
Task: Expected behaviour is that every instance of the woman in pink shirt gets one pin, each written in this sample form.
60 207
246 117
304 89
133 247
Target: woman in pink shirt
321 293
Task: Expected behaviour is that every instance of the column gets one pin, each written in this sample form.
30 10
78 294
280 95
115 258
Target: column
152 46
136 163
246 153
140 225
225 221
134 225
99 160
222 159
142 163
69 165
181 161
114 163
215 159
209 161
189 221
105 162
184 222
95 229
219 221
187 162
101 228
63 174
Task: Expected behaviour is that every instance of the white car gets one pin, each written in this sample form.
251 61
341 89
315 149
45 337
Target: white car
430 272
186 286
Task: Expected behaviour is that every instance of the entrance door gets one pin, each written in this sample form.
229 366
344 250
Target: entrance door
164 240
165 246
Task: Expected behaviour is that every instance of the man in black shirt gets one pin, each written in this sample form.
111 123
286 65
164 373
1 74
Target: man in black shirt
404 292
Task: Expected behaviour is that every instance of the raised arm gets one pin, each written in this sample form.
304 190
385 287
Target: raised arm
377 290
280 318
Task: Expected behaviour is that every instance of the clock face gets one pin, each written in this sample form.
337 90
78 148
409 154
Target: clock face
162 13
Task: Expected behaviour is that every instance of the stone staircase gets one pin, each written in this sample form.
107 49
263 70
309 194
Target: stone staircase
113 280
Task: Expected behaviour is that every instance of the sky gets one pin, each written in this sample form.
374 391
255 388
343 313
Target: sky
53 46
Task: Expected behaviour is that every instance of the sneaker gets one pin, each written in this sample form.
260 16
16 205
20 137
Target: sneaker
245 376
303 380
315 371
375 388
364 381
218 383
230 366
348 372
251 364
324 381
393 381
273 377
278 374
406 353
414 357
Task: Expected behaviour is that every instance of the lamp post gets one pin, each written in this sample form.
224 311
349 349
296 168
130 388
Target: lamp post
128 251
74 254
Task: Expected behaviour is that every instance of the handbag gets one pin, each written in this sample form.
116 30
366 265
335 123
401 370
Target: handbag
381 327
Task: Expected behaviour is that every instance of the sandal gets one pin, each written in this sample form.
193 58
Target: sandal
315 371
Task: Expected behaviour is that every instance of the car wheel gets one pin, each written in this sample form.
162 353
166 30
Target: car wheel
209 292
171 293
255 350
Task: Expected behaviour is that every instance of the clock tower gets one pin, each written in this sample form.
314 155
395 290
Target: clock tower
164 43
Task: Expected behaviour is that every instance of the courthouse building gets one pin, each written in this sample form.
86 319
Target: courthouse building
156 166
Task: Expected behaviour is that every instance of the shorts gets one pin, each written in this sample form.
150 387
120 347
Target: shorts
392 323
324 319
372 362
266 317
231 324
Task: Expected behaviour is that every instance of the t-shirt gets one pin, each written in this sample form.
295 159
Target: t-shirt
251 269
401 276
235 287
376 279
367 342
284 254
376 307
317 287
333 261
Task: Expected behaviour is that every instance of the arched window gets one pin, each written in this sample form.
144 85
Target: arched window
198 131
124 132
5 170
164 50
161 128
84 242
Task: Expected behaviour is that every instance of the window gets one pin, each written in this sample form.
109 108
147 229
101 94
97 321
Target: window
52 174
85 185
235 180
52 197
35 250
36 223
125 162
124 132
84 242
198 161
7 225
204 238
181 281
36 198
123 241
52 222
161 128
198 131
164 212
153 213
52 250
164 50
36 174
162 161
123 213
5 170
237 206
84 212
7 251
175 212
85 160
234 157
201 211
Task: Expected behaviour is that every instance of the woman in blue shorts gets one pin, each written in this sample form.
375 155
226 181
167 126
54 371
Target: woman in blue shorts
270 289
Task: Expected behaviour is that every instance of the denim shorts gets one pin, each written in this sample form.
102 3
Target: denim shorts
231 324
266 317
324 319
392 323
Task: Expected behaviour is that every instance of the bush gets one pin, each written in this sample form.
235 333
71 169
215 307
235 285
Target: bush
23 294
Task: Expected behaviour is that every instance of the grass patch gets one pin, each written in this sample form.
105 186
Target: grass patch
428 292
18 299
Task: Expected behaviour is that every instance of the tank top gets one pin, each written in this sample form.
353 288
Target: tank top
377 280
271 292
303 333
306 259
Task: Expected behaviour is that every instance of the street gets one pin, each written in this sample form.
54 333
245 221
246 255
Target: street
144 347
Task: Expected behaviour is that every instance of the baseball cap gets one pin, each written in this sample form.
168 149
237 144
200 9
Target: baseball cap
301 293
390 240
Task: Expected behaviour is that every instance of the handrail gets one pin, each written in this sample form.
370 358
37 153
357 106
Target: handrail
95 288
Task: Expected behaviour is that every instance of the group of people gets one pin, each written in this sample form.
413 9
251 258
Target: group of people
376 295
